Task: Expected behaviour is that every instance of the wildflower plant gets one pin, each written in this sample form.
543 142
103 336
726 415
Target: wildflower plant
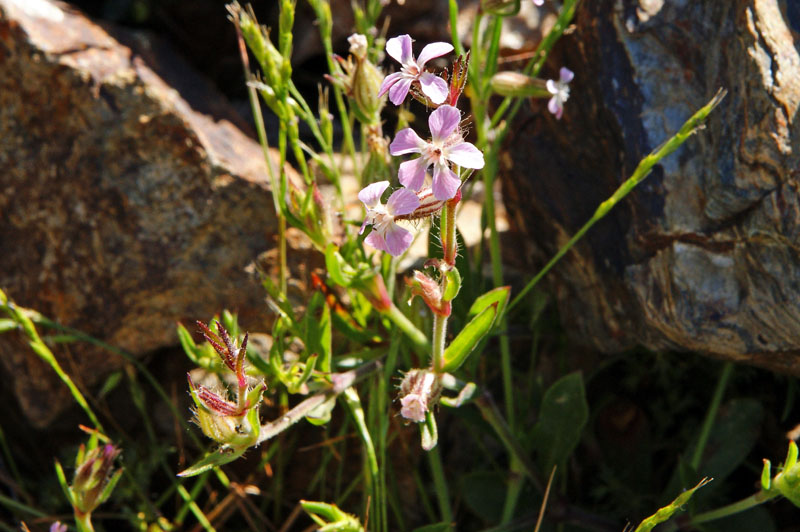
395 349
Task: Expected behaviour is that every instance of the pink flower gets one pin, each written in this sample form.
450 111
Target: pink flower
447 145
560 91
538 2
399 83
386 235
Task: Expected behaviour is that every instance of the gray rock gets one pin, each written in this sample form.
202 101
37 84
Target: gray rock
122 208
703 256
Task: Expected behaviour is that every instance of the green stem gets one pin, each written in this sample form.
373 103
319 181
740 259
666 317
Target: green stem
733 508
416 336
357 411
642 171
711 415
440 485
83 521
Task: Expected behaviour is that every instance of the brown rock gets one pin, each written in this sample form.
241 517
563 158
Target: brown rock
122 208
703 256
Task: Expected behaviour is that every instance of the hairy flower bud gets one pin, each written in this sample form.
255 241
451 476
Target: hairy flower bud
429 290
419 392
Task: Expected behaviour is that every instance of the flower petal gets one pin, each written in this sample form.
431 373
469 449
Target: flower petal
565 75
443 121
400 48
402 201
412 173
434 87
555 107
552 86
445 182
406 141
399 90
371 194
375 239
388 81
397 239
538 2
434 49
465 154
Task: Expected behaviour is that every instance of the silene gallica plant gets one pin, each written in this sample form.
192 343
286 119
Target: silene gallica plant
395 355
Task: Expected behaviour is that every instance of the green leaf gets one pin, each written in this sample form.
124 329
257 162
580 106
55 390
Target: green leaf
498 295
562 416
463 344
322 413
212 460
484 493
666 512
341 272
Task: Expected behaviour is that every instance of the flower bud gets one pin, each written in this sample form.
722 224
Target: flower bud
366 85
429 290
374 289
94 477
519 85
419 392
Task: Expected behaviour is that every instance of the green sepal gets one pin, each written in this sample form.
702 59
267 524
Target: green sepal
106 493
429 432
453 285
330 518
212 460
466 341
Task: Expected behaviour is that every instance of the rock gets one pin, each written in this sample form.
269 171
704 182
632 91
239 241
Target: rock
122 208
703 256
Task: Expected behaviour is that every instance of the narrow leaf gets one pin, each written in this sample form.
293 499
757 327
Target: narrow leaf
212 460
666 512
463 344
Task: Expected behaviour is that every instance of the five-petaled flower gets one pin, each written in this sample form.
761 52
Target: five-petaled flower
412 70
447 145
560 91
386 235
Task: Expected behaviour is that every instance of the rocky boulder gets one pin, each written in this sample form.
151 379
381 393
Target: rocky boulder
124 207
703 256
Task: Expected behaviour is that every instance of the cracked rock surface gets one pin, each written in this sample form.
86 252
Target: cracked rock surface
123 207
704 255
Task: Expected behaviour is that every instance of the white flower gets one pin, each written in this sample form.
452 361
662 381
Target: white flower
386 235
447 145
560 91
412 70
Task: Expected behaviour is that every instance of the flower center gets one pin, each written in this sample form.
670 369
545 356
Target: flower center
410 70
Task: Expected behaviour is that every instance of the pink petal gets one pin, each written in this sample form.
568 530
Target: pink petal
445 182
434 87
538 2
555 107
399 90
400 48
388 81
412 173
552 88
402 201
397 240
406 141
371 194
375 239
443 121
434 49
465 154
565 75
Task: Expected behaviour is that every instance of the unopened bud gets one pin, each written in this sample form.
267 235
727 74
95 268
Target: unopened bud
374 289
519 85
93 477
431 293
